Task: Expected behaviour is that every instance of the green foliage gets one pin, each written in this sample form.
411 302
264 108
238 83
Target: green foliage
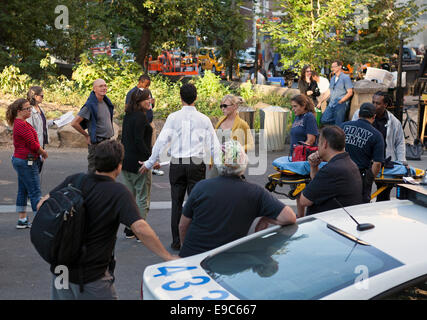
246 91
166 94
13 82
29 29
63 91
317 32
209 93
388 21
120 78
312 31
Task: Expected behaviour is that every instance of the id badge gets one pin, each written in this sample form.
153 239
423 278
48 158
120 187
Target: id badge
30 162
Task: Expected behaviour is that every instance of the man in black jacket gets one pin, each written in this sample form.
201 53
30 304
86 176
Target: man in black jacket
108 203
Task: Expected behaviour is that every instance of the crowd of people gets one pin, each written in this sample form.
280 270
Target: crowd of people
206 163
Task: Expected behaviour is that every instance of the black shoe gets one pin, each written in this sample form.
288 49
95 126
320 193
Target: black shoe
176 246
129 233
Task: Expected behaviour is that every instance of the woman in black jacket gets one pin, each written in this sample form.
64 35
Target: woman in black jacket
307 85
136 139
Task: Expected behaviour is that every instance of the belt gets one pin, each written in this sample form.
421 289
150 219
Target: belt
100 139
189 160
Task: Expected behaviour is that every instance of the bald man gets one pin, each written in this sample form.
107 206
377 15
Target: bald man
96 116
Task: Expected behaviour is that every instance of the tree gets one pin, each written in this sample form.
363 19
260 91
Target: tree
154 25
312 31
389 20
226 26
29 29
318 31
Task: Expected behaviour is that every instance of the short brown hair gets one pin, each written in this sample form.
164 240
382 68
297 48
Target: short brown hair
335 137
108 155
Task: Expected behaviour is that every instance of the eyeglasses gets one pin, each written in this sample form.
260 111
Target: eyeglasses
224 105
41 95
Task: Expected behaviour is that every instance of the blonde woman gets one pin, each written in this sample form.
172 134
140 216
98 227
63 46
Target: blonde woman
231 126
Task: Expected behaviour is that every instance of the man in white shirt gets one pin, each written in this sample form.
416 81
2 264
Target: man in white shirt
323 85
192 140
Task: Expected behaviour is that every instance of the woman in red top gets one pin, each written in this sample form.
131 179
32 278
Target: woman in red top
25 159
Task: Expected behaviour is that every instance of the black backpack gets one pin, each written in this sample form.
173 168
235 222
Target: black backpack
59 227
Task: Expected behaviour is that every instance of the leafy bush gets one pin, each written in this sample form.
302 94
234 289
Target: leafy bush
210 91
121 76
13 82
166 94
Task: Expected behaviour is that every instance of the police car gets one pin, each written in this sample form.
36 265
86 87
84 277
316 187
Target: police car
369 251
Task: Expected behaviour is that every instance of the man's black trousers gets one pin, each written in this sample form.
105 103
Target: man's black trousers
184 173
367 181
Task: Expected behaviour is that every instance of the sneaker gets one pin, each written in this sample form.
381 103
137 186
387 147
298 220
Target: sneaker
129 233
158 172
23 224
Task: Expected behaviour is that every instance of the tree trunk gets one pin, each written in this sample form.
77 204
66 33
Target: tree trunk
144 45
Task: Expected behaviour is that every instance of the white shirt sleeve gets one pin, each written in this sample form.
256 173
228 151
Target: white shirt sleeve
162 140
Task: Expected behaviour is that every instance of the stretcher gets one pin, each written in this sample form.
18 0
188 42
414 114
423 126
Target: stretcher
297 175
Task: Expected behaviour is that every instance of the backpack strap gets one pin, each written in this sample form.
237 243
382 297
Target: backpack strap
78 183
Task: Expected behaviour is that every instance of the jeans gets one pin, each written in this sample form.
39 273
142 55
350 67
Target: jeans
335 113
28 184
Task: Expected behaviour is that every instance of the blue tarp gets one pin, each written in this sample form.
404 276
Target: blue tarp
303 167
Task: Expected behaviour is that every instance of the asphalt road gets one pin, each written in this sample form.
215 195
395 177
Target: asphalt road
24 275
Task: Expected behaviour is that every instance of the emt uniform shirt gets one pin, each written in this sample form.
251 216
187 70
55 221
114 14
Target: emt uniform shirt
340 179
363 143
189 134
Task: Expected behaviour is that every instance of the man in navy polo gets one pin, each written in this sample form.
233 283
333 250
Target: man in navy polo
336 183
365 144
339 94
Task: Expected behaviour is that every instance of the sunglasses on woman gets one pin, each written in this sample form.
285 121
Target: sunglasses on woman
224 105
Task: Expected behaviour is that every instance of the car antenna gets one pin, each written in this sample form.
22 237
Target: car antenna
360 227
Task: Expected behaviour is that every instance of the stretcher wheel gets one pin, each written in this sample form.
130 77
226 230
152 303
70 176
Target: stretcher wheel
270 186
290 195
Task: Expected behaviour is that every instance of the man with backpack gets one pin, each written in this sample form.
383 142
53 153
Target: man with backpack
107 203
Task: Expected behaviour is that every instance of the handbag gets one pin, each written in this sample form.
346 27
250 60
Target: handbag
414 151
302 152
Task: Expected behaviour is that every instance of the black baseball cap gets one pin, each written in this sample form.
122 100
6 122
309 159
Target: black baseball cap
367 110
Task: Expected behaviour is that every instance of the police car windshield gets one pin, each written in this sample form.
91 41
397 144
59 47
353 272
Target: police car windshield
304 261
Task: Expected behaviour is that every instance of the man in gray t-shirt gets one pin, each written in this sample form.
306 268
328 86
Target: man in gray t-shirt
97 117
104 126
